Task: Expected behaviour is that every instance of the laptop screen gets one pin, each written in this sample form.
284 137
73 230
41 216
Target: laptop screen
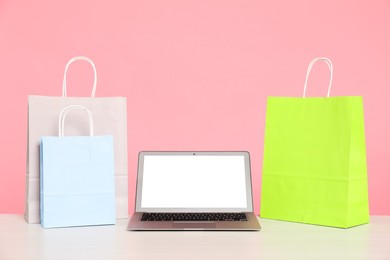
194 181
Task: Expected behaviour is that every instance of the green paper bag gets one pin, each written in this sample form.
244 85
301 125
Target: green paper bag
314 168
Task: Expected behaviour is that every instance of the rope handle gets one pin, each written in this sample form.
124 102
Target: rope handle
66 70
65 111
330 66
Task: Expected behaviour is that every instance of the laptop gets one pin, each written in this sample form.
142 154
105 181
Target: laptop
194 191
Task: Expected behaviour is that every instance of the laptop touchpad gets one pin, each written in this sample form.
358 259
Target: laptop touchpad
193 225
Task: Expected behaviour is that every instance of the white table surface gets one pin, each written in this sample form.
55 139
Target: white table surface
276 240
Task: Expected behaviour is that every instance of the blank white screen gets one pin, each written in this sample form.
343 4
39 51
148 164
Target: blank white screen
194 182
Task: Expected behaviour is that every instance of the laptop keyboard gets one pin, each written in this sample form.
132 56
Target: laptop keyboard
194 217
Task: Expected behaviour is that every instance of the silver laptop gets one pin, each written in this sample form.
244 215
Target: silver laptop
194 191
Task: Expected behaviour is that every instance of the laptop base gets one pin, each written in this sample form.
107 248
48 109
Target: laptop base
252 224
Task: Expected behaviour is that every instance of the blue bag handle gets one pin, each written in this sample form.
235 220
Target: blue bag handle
65 111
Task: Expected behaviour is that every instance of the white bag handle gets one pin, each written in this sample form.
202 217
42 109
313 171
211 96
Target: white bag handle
65 111
329 63
66 70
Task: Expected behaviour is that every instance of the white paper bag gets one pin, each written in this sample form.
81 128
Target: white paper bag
110 119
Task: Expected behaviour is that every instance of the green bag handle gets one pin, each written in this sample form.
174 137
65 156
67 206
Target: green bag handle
329 63
65 111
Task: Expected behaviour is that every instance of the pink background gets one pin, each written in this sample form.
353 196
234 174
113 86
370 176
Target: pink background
196 73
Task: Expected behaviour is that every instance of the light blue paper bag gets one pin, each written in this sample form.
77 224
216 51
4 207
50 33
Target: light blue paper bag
76 178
